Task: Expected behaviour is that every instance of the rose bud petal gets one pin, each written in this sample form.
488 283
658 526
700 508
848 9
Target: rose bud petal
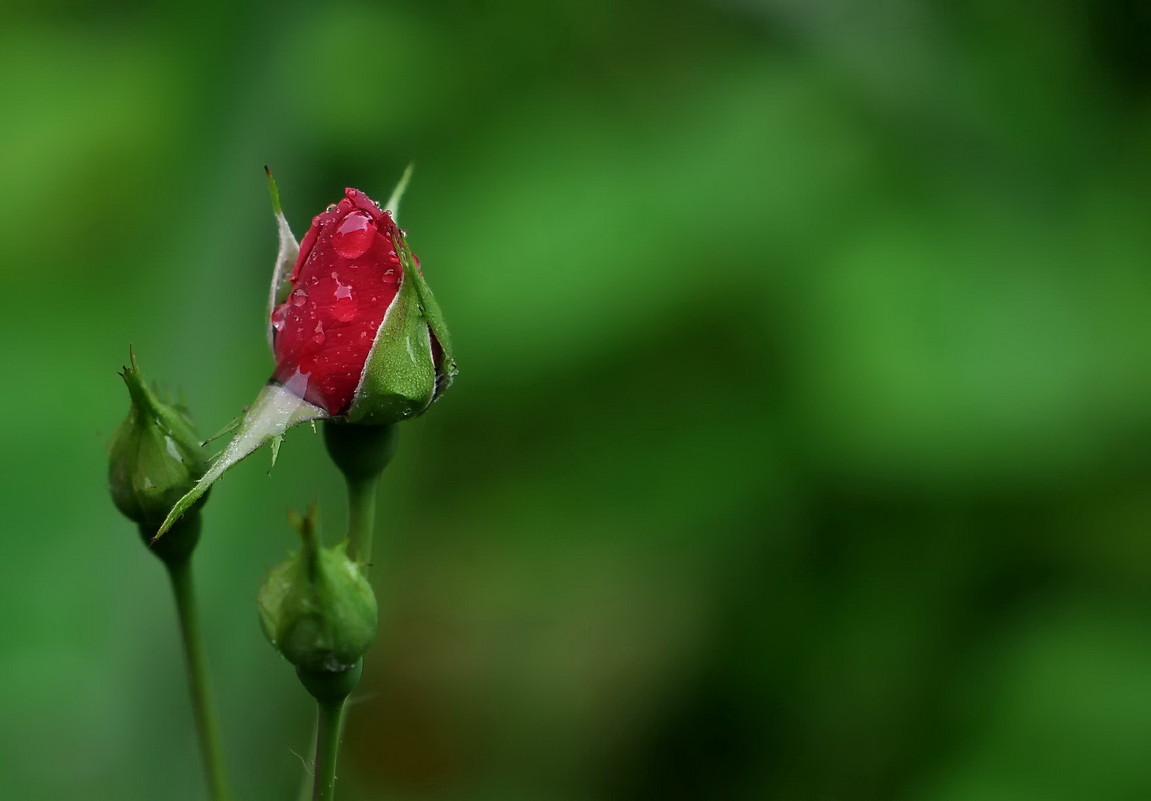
355 330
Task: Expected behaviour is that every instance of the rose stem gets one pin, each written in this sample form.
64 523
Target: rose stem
180 572
361 453
329 722
330 689
361 518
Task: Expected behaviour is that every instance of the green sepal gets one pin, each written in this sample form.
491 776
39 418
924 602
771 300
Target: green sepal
316 608
286 255
430 309
275 410
399 377
393 204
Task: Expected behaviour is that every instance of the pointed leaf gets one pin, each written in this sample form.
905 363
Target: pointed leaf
275 411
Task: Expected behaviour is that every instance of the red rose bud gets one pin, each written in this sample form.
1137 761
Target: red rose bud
355 336
356 332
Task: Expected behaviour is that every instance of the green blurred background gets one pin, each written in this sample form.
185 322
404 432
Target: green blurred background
801 444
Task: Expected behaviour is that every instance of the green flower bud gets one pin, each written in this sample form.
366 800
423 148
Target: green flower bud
317 609
155 456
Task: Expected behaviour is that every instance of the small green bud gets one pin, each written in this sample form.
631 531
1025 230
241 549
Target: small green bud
155 456
317 609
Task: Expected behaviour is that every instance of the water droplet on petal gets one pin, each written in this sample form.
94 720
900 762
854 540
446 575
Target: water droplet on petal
299 298
278 315
354 235
318 337
344 309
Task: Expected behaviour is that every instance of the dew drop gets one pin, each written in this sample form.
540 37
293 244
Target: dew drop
344 309
173 451
354 235
299 298
278 315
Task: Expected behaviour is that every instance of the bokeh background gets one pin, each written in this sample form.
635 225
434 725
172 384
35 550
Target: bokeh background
801 445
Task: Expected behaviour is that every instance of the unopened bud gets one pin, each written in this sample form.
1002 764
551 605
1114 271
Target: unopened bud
317 609
155 456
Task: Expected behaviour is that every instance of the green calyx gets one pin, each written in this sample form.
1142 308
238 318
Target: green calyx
155 455
401 378
316 608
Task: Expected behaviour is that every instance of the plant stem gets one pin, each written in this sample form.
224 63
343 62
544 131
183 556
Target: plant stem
180 572
329 720
361 517
361 452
